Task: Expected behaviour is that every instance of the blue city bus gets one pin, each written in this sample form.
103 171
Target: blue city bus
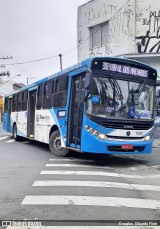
102 105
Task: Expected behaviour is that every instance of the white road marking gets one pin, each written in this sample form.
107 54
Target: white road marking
92 201
100 184
97 173
156 166
5 137
26 142
76 165
10 141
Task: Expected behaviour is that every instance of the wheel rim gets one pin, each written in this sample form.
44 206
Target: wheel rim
57 144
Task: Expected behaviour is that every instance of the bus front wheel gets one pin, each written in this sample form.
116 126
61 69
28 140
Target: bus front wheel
55 145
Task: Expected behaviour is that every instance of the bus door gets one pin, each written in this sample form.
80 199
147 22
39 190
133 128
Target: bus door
9 113
31 113
76 111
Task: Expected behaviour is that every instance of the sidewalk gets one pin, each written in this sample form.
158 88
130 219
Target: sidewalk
3 132
156 143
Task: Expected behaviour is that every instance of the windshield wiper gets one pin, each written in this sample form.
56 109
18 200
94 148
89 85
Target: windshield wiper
116 88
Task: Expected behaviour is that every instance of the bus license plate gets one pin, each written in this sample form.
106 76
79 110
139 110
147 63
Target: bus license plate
127 147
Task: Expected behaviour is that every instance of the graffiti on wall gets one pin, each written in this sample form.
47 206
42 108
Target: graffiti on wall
150 41
94 14
118 26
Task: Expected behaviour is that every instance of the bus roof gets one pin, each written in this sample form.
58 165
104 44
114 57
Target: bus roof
85 63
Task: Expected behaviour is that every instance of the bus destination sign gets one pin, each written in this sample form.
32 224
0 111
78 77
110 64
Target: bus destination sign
124 69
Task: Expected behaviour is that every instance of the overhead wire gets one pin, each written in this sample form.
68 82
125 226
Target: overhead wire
55 56
32 61
9 80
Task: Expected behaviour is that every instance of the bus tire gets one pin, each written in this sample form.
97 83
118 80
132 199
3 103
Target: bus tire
55 145
15 136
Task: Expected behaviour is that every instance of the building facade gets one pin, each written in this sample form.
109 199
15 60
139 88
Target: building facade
120 28
6 87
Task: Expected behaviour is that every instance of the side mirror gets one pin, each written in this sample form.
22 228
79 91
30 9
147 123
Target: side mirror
87 83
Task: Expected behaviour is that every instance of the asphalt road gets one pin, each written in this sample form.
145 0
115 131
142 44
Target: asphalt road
36 185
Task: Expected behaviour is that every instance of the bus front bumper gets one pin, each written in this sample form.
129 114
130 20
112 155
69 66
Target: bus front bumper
92 144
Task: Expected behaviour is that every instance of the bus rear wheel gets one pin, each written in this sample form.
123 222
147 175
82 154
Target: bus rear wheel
15 136
55 145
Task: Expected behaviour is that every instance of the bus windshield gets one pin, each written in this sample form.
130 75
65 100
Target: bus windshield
120 99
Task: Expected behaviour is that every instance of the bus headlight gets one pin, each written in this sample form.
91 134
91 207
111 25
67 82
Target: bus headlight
91 130
102 136
147 138
96 133
87 127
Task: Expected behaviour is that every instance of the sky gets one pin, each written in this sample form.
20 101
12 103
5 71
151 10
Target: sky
37 29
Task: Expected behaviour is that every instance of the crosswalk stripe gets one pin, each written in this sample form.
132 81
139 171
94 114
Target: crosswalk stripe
76 165
155 166
72 159
96 184
10 141
92 173
5 137
92 201
97 173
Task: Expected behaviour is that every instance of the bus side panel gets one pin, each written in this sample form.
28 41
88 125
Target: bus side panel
44 120
42 125
61 115
6 122
20 119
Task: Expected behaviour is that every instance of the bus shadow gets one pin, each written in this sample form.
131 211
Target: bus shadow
100 160
118 161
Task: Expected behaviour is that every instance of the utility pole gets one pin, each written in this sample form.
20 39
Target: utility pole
60 56
30 79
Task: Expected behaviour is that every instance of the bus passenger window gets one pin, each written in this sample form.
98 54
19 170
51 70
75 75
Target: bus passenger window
39 97
48 94
60 96
19 101
24 100
14 103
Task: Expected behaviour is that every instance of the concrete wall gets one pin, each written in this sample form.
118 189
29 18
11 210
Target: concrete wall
134 27
121 18
147 26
